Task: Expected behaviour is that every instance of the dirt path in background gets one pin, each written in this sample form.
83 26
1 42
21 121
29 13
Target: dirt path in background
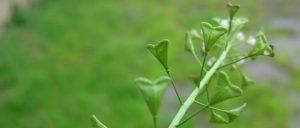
4 13
6 10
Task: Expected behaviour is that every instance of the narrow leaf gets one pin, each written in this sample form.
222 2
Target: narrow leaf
153 91
96 123
211 35
225 90
160 51
217 118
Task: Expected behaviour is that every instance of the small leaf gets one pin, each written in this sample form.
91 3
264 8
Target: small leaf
246 81
153 91
262 47
211 35
160 51
232 9
96 123
225 90
217 118
234 113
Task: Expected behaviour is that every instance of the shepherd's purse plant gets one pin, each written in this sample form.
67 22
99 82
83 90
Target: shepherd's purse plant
223 38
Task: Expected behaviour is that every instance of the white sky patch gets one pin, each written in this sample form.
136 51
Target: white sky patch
240 36
224 23
203 46
251 40
241 62
194 33
266 53
211 61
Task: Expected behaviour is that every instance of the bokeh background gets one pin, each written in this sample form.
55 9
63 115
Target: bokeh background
63 60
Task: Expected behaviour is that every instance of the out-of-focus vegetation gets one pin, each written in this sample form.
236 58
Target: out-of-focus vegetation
66 59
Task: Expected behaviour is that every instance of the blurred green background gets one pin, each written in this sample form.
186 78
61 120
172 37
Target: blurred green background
63 60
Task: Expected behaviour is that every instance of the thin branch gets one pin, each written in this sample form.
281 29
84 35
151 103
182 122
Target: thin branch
154 121
174 87
233 62
197 59
96 123
230 25
196 113
191 116
202 104
203 65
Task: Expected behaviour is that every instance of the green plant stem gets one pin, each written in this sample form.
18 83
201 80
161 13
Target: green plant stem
203 65
97 123
200 63
233 62
174 87
190 100
197 59
201 73
154 121
197 102
230 25
196 113
205 105
202 104
190 117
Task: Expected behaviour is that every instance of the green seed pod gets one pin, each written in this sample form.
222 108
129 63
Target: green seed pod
160 51
262 47
225 90
153 91
211 35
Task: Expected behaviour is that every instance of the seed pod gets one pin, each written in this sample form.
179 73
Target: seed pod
153 91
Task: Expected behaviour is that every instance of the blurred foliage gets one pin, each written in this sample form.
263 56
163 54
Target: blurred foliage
78 57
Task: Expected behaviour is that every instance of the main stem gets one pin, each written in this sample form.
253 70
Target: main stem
201 74
190 100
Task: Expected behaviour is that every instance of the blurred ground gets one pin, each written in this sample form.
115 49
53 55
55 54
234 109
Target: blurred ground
7 7
62 60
